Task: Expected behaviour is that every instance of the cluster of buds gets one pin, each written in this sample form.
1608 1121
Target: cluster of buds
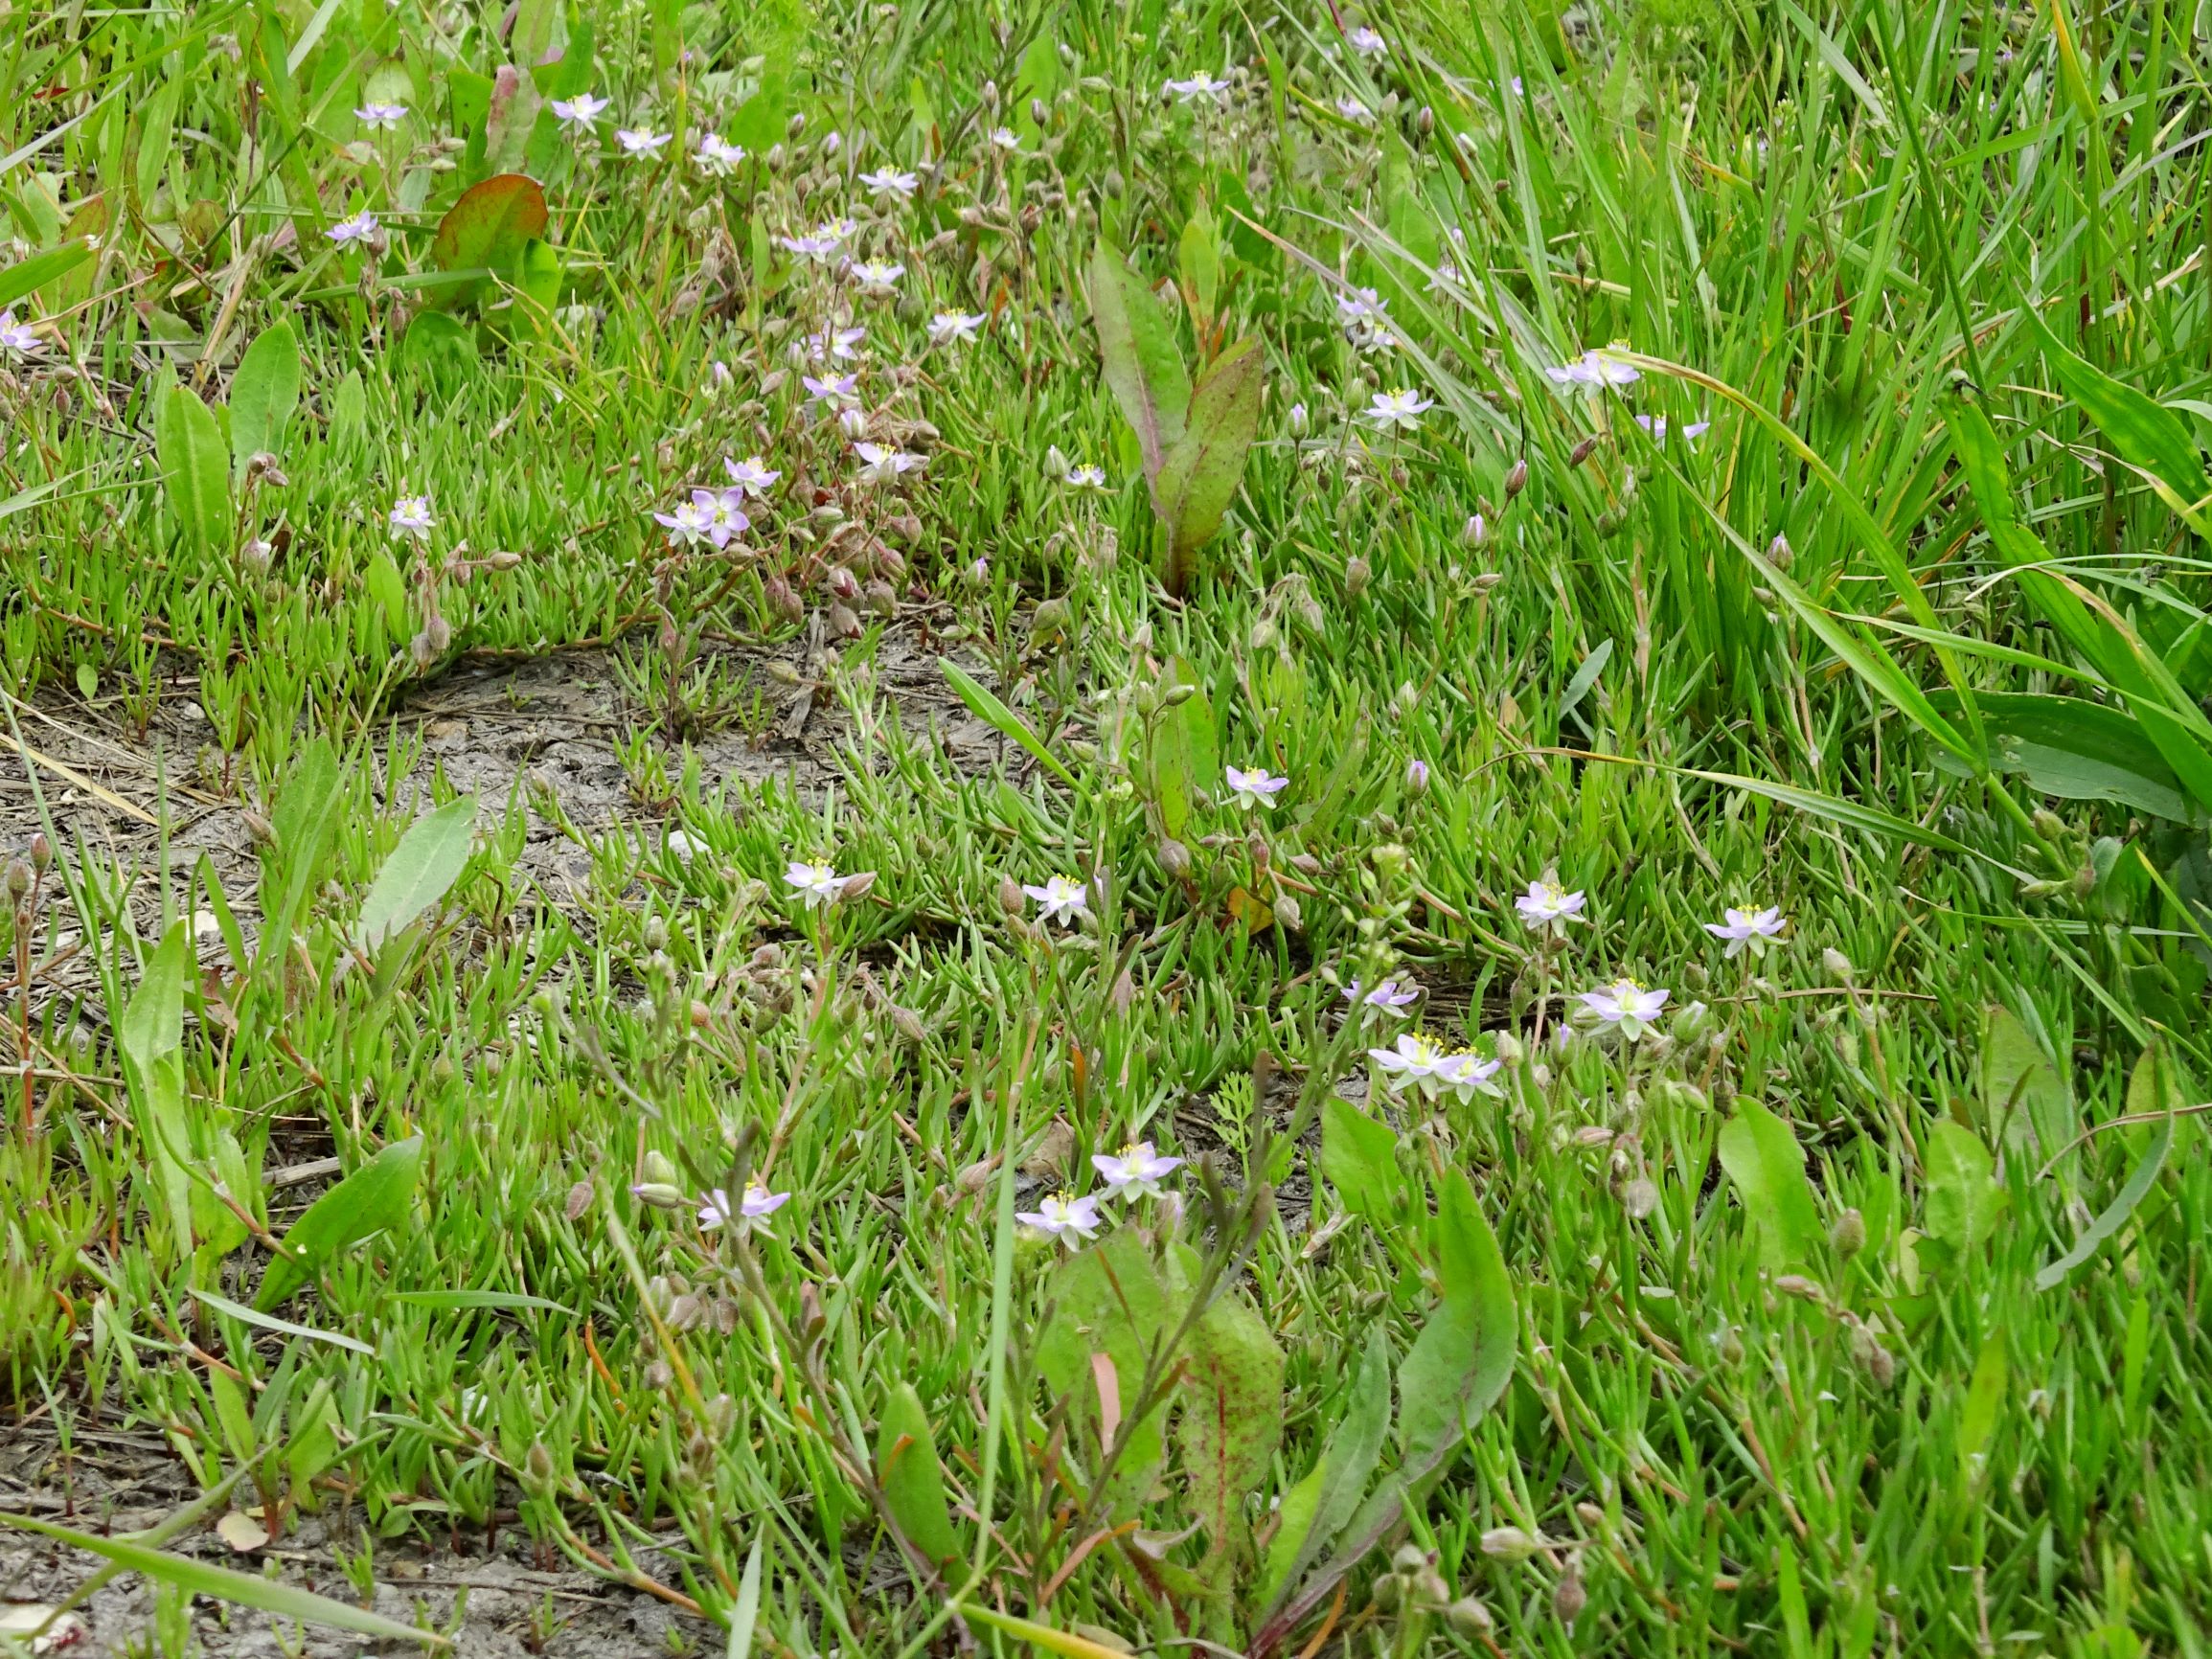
1413 1588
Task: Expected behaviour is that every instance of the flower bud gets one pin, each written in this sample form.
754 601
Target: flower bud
1387 1590
1174 859
1509 1544
1876 1361
1049 621
1298 422
1778 553
1417 778
908 1025
856 886
1056 464
656 933
1357 574
1803 1288
1011 897
1640 1197
1424 121
1582 452
1287 914
1848 1236
1410 1558
18 879
1470 1617
991 96
1038 113
795 125
1177 694
1569 1597
1474 532
538 1470
579 1198
41 852
1838 965
1517 479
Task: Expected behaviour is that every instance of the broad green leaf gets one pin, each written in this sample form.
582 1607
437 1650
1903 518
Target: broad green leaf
151 1039
305 821
538 279
1359 1159
759 123
1185 752
1460 1362
436 344
1315 1509
423 868
985 705
1767 1166
487 227
373 1199
383 583
1198 477
27 275
1963 1198
912 1479
196 469
2114 1215
1198 258
2080 750
1107 1298
197 1577
1144 368
1232 1415
264 394
2024 1101
2145 434
1985 1397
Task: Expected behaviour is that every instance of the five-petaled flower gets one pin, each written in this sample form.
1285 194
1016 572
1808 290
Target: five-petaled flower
1062 899
1135 1171
882 463
381 117
1199 85
1416 1060
17 339
1388 997
1070 1221
1595 367
842 344
810 246
716 157
712 516
580 111
1625 1005
1003 137
878 275
411 517
357 229
1470 1074
835 390
750 475
1354 111
1748 929
640 140
1547 906
890 182
1087 478
1400 409
1366 41
1254 788
949 327
751 1211
815 883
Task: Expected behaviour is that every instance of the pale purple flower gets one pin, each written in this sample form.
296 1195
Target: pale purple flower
690 523
1070 1221
1354 111
1415 1061
1365 316
357 229
1199 85
750 1213
841 344
878 277
817 884
1062 899
1003 138
834 390
640 140
1470 1074
1087 478
890 182
381 117
1398 409
411 517
1256 788
725 514
1546 904
851 422
1417 777
1655 428
750 475
17 339
882 463
1625 1005
1135 1171
810 246
951 328
1748 929
838 230
580 111
1595 367
715 157
1386 998
1366 41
